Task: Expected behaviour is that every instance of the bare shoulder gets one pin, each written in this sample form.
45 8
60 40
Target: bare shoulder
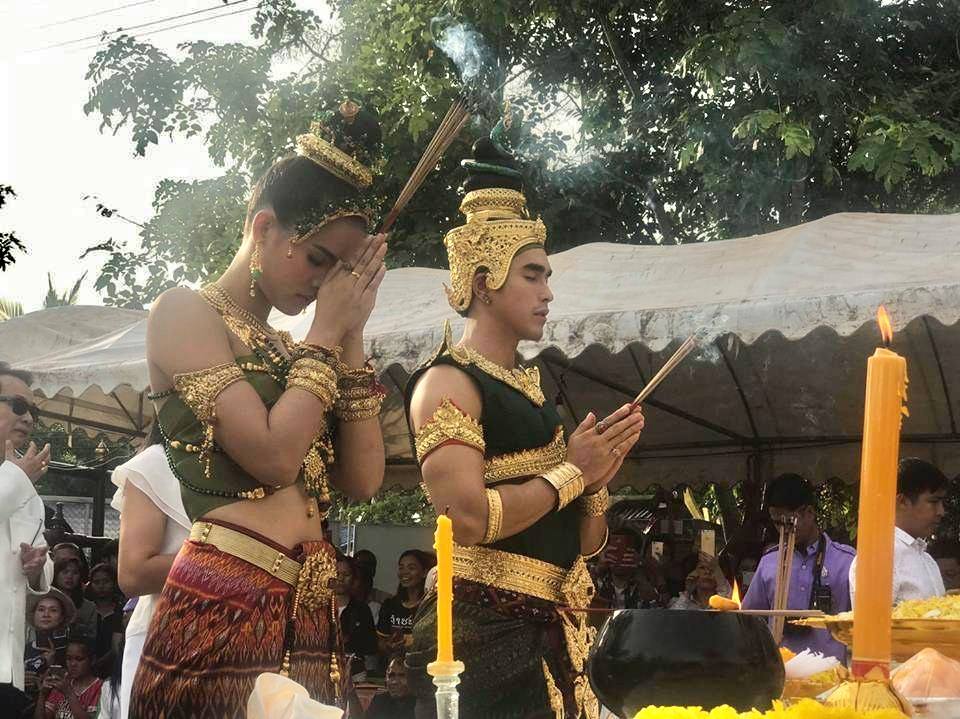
182 305
444 382
185 334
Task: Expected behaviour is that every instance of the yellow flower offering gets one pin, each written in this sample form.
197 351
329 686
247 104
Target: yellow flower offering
933 608
786 654
806 709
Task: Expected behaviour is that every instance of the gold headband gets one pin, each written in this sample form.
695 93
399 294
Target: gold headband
333 159
497 228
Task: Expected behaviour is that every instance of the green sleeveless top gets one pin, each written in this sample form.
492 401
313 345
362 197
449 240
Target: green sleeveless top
227 482
523 435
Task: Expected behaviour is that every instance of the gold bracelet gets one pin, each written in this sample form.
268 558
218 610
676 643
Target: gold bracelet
311 351
494 517
603 545
567 479
358 409
316 377
594 504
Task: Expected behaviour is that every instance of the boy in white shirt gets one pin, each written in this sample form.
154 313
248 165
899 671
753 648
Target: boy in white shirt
921 488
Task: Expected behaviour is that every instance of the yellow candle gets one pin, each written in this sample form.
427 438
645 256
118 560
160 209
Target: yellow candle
443 543
883 411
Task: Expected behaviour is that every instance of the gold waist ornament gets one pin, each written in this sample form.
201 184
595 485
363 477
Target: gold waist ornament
566 587
517 573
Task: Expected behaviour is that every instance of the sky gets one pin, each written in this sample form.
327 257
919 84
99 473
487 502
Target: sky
52 154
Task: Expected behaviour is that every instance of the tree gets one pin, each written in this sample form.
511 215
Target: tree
9 242
55 299
10 309
646 122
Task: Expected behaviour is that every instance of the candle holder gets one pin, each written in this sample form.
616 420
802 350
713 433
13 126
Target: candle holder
446 677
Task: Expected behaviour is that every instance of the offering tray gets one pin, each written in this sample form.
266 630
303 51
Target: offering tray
909 635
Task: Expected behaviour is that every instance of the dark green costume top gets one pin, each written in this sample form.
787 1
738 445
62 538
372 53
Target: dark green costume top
227 482
523 434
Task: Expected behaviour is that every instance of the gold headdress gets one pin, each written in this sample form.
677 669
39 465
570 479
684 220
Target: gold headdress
343 144
498 225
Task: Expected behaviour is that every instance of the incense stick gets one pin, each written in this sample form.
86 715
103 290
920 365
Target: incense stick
686 348
788 538
451 125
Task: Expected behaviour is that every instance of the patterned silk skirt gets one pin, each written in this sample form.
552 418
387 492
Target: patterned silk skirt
221 622
516 655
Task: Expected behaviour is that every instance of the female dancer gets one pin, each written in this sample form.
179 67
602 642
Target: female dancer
257 426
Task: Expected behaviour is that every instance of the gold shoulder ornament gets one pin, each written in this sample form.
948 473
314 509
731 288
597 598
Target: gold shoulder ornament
448 424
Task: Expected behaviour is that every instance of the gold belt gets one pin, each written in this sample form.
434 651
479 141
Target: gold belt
517 573
248 549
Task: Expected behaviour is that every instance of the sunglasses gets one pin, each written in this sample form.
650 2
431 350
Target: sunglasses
20 406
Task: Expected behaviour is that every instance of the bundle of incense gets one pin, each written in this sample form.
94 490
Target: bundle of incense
785 548
686 348
451 125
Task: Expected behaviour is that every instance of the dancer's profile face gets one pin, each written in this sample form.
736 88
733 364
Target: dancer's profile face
522 304
292 272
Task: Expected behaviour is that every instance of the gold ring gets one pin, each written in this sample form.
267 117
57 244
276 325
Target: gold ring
601 427
355 274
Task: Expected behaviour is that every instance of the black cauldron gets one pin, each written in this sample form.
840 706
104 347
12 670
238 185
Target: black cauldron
663 657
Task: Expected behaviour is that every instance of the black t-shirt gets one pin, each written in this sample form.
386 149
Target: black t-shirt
395 617
359 635
385 706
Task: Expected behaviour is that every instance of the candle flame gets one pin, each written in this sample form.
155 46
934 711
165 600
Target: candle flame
736 594
886 328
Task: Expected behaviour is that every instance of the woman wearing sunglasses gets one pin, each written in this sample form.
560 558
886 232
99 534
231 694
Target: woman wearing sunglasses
21 511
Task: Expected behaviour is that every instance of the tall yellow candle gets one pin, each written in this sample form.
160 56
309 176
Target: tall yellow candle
883 412
443 543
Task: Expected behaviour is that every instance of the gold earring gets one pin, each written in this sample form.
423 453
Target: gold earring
486 299
256 270
290 248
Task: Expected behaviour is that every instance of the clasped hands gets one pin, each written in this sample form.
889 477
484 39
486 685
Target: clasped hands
599 448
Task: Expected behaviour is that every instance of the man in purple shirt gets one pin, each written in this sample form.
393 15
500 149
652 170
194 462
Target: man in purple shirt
815 554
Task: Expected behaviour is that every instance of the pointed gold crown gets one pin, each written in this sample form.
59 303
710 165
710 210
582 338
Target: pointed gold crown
498 225
497 228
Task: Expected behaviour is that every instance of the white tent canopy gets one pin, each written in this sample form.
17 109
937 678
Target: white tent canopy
783 384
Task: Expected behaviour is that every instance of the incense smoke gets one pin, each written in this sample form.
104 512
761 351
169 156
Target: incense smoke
706 337
466 48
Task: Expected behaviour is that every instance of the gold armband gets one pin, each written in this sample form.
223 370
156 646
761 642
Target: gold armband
199 390
316 377
595 504
448 424
567 479
494 517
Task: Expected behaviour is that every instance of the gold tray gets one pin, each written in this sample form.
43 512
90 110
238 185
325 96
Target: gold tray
909 635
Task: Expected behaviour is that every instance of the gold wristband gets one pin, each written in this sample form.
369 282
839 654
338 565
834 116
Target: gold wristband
316 377
494 517
595 504
567 479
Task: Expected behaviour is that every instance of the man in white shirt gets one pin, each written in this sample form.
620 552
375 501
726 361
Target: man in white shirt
921 488
24 565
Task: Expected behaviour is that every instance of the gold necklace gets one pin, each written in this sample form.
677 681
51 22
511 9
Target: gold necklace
271 346
526 380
